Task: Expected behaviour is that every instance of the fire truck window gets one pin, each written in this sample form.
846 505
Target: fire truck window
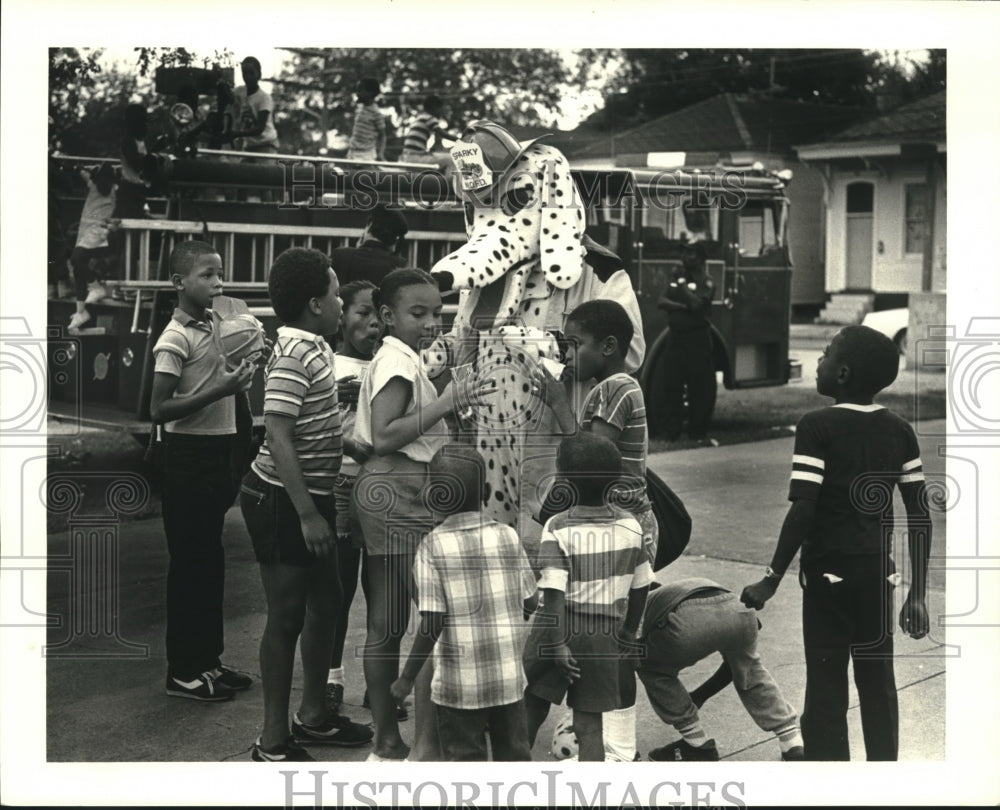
759 229
751 236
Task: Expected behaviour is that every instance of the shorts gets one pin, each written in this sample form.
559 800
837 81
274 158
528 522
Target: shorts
388 500
607 679
348 525
273 522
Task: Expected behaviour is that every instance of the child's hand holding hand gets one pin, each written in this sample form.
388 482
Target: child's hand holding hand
400 689
913 618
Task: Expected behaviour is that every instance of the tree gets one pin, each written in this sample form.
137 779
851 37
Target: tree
646 83
313 99
87 101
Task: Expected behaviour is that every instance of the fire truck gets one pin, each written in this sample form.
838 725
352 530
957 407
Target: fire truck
101 375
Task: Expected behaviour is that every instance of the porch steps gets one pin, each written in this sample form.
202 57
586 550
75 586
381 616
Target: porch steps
846 308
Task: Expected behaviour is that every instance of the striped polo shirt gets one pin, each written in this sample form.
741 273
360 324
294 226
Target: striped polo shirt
594 554
418 136
848 458
368 124
300 382
187 349
618 401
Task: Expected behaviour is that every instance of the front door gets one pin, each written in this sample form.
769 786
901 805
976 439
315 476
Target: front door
860 222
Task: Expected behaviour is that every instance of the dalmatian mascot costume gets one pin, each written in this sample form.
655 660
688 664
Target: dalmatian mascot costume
526 265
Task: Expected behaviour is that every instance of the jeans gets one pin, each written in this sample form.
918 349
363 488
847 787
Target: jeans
463 733
697 628
850 619
197 492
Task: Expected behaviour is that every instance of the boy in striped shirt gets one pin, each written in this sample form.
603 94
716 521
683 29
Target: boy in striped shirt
595 577
288 504
598 334
847 460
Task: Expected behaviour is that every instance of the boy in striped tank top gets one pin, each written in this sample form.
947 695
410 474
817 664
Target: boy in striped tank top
288 504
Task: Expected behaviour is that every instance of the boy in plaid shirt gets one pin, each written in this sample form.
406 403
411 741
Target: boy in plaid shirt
475 585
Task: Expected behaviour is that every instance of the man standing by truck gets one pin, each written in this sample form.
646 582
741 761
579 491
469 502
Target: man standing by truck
688 354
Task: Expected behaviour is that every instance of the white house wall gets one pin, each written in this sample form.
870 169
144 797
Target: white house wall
893 270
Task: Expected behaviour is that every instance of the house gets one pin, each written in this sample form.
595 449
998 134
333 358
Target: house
741 130
885 212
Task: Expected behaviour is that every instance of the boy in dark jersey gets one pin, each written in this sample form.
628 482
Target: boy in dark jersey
847 460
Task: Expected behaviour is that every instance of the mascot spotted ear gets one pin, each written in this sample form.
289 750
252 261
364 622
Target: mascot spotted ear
526 265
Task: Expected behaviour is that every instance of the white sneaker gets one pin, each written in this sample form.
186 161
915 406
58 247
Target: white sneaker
79 319
96 292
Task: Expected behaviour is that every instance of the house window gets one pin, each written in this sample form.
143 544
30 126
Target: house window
917 207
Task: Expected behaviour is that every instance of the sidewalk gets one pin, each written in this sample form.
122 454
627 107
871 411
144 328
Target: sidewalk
114 709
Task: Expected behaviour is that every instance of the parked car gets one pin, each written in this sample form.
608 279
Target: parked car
892 323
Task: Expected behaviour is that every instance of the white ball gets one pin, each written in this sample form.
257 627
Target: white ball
564 743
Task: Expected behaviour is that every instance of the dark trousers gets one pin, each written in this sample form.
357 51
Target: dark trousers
198 489
463 733
687 360
851 619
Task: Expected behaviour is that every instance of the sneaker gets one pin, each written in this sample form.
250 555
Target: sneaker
683 751
289 751
335 730
334 697
233 678
96 291
204 687
794 754
79 319
401 712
